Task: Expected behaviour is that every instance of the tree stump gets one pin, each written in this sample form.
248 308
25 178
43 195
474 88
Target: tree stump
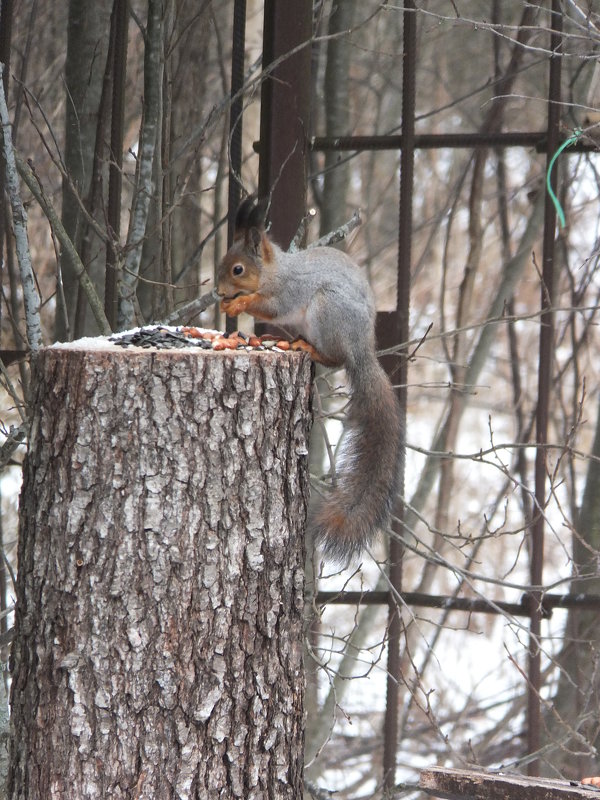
158 649
467 784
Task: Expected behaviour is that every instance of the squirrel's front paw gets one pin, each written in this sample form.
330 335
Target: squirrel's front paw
234 305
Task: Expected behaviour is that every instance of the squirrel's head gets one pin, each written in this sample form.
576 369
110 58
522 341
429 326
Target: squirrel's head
239 271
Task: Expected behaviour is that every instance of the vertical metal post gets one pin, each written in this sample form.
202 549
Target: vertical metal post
400 378
285 111
119 29
235 115
238 49
544 385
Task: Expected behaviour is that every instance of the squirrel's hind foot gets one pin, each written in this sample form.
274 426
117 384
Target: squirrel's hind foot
307 347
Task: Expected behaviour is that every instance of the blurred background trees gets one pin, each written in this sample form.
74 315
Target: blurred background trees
121 112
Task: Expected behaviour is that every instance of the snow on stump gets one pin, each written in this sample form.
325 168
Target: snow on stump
158 649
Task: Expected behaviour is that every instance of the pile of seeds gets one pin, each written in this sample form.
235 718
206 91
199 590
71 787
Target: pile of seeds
164 337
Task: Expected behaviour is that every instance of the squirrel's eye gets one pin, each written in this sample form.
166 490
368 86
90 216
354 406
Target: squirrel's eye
238 269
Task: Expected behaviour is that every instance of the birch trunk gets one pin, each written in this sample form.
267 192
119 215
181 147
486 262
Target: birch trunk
158 649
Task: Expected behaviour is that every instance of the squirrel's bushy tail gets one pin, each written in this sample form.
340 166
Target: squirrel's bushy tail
345 521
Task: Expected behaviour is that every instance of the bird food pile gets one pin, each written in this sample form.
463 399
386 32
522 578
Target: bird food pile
164 337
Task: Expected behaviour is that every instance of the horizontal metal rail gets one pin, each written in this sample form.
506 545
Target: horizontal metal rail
470 604
430 141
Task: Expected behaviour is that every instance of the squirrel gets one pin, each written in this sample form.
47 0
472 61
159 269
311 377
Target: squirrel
321 294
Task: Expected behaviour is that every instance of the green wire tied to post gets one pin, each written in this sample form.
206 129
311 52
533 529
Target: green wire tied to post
567 143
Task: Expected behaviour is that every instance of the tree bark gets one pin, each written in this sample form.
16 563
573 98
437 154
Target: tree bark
158 649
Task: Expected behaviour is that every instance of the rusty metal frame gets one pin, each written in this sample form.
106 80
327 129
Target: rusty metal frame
285 29
391 330
435 141
235 114
544 386
238 50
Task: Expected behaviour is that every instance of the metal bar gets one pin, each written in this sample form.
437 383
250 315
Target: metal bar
119 29
284 114
284 119
544 386
400 334
469 604
238 49
235 115
429 141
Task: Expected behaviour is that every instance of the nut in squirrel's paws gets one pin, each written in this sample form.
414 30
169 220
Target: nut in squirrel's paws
235 305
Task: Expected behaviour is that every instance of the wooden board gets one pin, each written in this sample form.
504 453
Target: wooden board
458 784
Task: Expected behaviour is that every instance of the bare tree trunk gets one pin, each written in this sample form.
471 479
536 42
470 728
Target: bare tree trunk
575 717
149 132
337 116
87 45
158 649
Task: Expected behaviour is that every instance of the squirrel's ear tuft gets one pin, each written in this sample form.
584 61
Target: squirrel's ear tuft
257 242
256 218
243 212
251 214
254 239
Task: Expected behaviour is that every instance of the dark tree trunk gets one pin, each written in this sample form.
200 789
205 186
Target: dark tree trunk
336 178
158 649
87 45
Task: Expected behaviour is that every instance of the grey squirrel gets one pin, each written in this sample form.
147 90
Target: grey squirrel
322 296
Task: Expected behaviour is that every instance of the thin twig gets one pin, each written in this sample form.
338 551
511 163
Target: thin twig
14 438
296 242
8 386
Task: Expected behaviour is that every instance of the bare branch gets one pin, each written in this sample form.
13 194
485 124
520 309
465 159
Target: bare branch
194 307
339 233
